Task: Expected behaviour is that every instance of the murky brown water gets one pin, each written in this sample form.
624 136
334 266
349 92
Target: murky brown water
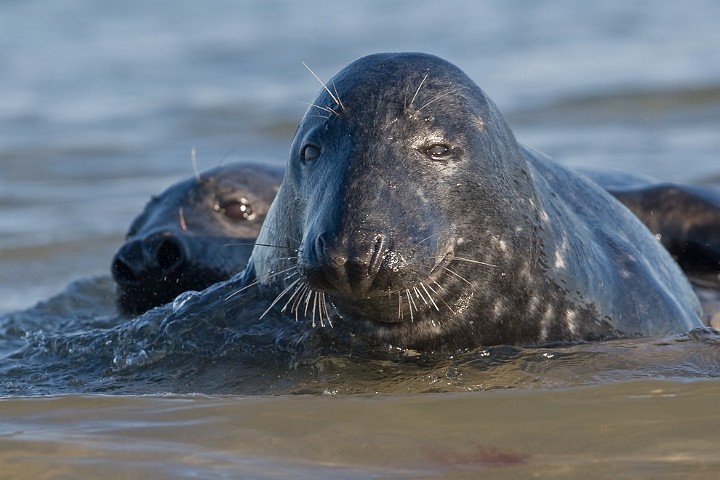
640 429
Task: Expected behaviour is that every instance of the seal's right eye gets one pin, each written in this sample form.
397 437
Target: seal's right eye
309 153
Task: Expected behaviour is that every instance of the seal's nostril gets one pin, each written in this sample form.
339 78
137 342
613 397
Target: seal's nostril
321 248
169 254
128 266
122 272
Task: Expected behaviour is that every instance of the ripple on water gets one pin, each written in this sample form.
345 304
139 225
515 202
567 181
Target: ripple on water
211 343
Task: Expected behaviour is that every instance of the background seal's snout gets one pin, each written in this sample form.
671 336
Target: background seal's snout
148 258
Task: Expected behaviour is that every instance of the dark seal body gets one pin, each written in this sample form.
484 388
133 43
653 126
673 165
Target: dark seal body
685 218
409 214
196 233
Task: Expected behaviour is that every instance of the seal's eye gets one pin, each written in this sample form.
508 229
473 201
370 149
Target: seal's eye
437 151
310 153
236 209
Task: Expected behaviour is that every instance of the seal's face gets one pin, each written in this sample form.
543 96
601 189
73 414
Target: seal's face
196 233
395 178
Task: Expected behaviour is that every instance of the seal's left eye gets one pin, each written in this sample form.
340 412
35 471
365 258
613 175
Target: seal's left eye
310 153
437 151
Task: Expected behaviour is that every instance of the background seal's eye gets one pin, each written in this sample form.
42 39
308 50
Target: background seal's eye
236 209
437 151
310 153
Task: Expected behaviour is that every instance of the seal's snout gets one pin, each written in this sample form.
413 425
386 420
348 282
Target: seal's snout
348 266
149 258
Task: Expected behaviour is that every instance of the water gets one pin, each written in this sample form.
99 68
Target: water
634 430
99 109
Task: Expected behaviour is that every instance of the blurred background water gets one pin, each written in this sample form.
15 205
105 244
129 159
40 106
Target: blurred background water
101 104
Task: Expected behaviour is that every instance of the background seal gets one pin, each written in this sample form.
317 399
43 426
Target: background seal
196 233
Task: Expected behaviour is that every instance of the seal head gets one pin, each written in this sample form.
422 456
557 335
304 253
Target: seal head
196 233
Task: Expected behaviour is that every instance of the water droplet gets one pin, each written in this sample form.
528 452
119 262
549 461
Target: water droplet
182 299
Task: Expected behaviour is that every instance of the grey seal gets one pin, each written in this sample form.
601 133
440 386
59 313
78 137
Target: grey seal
197 232
409 214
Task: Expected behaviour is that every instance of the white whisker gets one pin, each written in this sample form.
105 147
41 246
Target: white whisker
193 162
274 274
298 288
280 295
412 303
442 95
296 303
438 285
457 275
469 260
248 244
418 294
337 95
237 292
307 301
418 90
429 296
273 260
333 96
325 310
315 304
441 299
326 109
336 312
264 225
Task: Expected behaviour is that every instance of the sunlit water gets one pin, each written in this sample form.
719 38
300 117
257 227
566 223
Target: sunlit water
99 108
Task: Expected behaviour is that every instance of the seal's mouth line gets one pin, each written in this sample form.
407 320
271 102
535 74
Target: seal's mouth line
432 278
